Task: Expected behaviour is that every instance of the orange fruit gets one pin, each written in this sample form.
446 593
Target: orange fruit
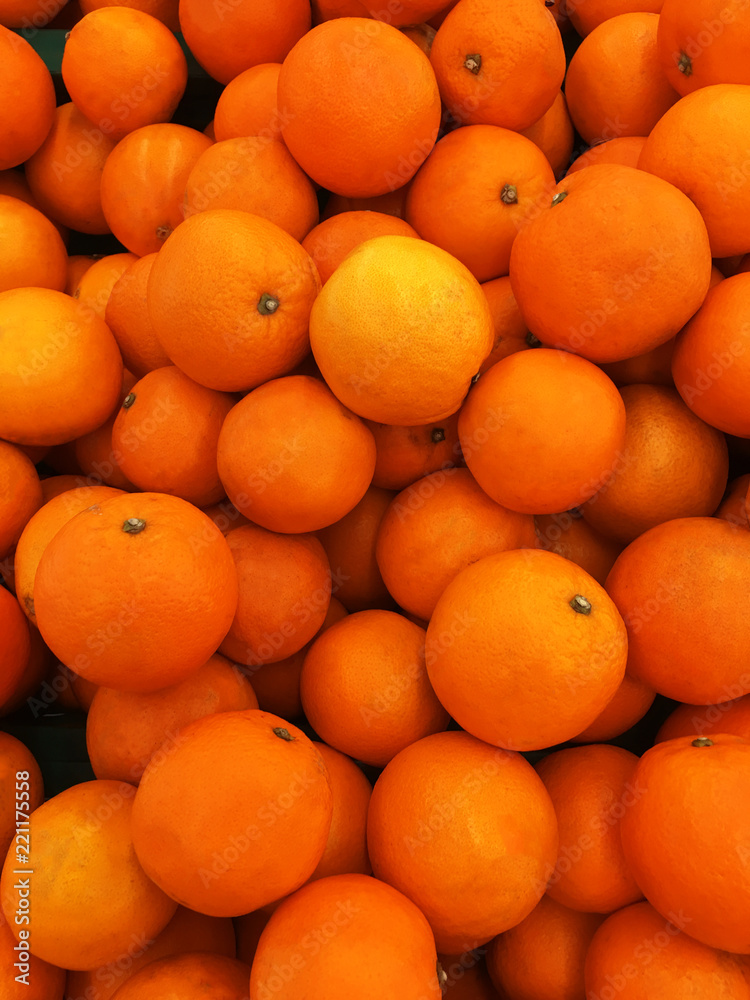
350 546
653 367
253 174
14 184
61 371
78 265
421 34
624 150
95 454
390 203
476 190
585 15
166 432
331 240
225 516
528 673
65 172
706 720
285 589
710 357
448 796
346 848
615 75
126 729
22 792
544 955
248 929
591 788
498 66
701 43
553 134
229 39
405 454
126 314
364 687
164 10
266 284
35 674
637 954
399 330
347 71
671 465
20 495
466 977
121 88
436 527
569 535
685 836
29 98
534 405
171 597
357 931
588 281
713 175
143 183
32 252
630 703
248 105
83 850
26 977
257 833
657 583
292 458
96 283
28 14
189 976
511 333
734 506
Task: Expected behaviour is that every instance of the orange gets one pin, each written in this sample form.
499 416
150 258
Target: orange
248 929
653 367
166 432
511 334
585 15
225 516
78 265
285 589
292 458
476 190
65 173
449 796
346 936
346 848
143 183
591 788
248 105
405 454
553 134
390 203
569 535
61 371
659 581
121 88
37 669
224 840
608 273
20 495
705 42
399 330
706 720
126 314
734 506
22 791
164 10
125 729
685 837
165 596
529 435
624 150
436 527
638 955
83 853
97 458
14 184
32 252
498 66
711 358
28 98
96 283
671 465
28 14
350 546
266 284
533 671
421 34
229 38
331 240
192 975
364 687
253 174
347 71
26 977
466 977
630 703
544 955
714 172
615 77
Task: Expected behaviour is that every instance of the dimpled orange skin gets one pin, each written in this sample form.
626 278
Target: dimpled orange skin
165 594
685 838
609 273
706 720
189 807
21 495
32 252
28 98
686 60
525 672
452 795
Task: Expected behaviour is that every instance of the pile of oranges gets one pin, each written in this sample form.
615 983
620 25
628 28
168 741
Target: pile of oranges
369 496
